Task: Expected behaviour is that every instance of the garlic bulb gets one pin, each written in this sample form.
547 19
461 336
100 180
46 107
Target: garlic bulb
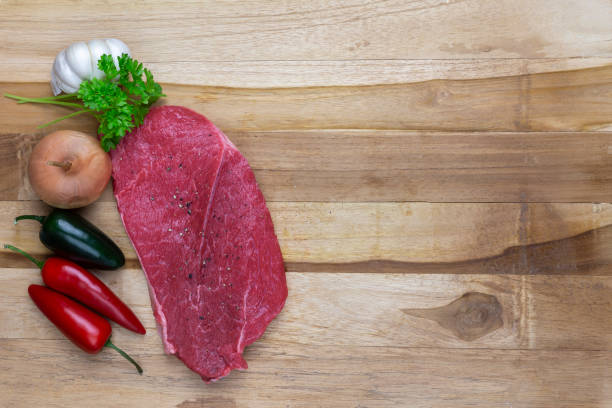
79 62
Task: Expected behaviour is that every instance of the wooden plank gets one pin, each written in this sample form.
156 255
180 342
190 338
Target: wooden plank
518 103
282 74
382 348
393 310
398 237
194 31
398 166
425 166
282 374
569 100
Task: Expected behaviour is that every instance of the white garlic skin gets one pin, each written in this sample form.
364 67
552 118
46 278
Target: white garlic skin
79 62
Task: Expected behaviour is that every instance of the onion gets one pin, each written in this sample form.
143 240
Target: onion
69 169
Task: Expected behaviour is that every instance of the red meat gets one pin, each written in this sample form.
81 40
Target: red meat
200 226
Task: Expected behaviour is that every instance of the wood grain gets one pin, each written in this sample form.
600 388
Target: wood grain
397 237
283 362
380 348
355 166
519 103
308 73
331 309
195 31
468 317
285 373
438 173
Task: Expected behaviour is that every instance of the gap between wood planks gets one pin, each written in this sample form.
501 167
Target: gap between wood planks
283 342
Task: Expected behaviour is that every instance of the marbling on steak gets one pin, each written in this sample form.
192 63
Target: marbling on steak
200 226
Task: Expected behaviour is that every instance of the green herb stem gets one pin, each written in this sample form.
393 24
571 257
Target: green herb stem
52 98
22 99
49 98
64 117
62 96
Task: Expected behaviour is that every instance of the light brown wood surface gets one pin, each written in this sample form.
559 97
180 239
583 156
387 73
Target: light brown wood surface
439 174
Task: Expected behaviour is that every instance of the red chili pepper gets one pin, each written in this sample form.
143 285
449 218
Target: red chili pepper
70 279
83 327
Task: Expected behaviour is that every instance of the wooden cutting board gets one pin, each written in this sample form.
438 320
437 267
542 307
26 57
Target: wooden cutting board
439 174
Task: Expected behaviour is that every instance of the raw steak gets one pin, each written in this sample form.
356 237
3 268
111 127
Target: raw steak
200 226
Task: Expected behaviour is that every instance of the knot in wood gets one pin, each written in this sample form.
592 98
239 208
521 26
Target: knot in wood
475 315
469 317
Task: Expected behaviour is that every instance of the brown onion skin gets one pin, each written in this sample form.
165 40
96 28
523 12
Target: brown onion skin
81 184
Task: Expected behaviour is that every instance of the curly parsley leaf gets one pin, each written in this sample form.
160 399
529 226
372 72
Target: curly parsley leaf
119 101
127 101
107 65
100 95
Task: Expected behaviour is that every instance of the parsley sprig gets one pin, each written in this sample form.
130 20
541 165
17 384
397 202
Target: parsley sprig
119 101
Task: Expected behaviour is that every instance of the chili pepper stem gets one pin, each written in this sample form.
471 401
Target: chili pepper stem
22 252
123 354
38 218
